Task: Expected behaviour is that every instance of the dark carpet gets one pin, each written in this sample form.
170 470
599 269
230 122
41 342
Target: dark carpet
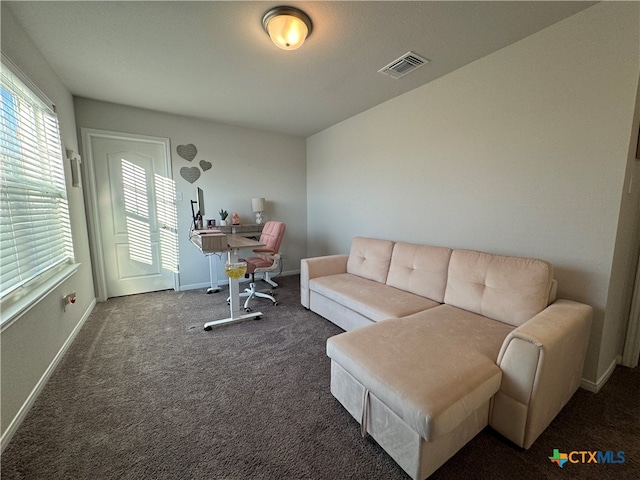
145 393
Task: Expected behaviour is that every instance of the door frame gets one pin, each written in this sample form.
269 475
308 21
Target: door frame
91 200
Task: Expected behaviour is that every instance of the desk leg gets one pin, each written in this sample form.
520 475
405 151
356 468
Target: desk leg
234 297
213 275
234 301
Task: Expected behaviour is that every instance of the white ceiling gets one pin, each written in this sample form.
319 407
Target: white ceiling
212 60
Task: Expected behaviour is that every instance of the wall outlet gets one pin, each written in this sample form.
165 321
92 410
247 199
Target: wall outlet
68 300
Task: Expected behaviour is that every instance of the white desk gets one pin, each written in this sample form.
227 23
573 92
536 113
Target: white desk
208 244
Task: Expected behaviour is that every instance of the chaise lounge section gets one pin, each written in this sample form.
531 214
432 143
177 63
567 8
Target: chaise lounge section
441 343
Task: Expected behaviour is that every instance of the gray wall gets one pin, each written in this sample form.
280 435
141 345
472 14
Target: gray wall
31 344
246 163
523 152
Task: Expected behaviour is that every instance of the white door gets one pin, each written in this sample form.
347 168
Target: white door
136 227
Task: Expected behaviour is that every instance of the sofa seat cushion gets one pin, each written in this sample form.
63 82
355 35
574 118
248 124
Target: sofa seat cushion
433 368
374 300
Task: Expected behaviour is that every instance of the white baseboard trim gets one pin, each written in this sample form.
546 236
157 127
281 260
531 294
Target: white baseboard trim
26 406
595 387
195 286
290 272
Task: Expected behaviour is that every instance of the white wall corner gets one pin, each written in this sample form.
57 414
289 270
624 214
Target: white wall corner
600 382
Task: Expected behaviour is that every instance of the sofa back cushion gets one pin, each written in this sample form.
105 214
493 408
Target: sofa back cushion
370 258
420 269
508 289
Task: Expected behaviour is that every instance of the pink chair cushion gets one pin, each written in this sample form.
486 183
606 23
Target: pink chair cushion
256 262
271 237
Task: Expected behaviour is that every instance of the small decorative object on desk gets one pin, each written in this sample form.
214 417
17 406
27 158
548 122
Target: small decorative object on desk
223 217
235 270
235 219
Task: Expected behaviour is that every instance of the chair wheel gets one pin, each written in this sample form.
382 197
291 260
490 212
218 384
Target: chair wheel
247 309
206 329
275 303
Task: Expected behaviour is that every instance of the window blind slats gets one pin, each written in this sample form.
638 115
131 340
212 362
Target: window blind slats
35 231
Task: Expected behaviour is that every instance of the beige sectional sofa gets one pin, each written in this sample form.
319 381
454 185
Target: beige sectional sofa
441 343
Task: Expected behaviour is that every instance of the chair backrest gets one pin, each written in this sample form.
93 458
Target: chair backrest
272 234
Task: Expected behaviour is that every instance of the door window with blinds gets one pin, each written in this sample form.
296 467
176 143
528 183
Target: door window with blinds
35 231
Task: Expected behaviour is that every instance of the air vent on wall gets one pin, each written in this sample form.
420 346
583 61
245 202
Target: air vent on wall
403 65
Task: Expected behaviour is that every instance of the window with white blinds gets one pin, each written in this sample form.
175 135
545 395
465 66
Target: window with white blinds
35 232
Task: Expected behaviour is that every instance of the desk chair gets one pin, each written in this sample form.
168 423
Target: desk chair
267 261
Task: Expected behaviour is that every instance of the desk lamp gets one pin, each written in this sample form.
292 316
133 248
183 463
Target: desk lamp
257 205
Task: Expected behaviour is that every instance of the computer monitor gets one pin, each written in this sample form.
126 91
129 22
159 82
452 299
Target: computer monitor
200 203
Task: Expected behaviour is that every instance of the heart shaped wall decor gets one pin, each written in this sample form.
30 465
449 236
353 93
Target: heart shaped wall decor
204 165
188 152
190 174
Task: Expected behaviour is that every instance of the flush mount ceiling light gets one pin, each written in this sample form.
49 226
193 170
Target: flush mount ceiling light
288 27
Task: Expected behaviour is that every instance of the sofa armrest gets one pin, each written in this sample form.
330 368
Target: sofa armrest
319 267
541 362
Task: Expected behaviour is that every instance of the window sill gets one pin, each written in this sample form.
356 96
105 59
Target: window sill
22 300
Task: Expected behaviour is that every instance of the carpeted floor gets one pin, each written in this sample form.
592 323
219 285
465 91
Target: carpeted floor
145 393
